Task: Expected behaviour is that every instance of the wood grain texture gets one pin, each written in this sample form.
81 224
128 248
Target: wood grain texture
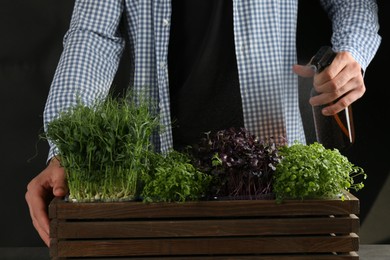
224 208
235 229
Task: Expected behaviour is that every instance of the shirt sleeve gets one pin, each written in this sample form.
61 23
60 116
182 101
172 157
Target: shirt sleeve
355 28
92 49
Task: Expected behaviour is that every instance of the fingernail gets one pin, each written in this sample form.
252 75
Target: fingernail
59 190
325 112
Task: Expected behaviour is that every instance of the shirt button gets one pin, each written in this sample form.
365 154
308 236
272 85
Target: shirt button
166 22
163 65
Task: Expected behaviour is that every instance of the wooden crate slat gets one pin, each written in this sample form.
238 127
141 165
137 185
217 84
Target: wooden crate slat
200 228
346 256
229 208
205 246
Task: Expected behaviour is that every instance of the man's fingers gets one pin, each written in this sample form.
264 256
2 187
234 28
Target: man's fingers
58 180
45 238
40 191
42 227
60 188
303 71
38 211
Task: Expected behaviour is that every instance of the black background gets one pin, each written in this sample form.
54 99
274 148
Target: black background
31 35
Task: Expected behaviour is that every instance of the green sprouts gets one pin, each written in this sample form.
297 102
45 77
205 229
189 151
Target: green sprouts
312 171
174 178
104 148
107 154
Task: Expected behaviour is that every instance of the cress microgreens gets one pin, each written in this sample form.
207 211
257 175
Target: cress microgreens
312 171
104 148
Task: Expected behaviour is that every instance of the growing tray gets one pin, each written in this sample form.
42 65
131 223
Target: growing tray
225 229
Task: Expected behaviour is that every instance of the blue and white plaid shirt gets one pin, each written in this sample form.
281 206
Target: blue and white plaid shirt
265 40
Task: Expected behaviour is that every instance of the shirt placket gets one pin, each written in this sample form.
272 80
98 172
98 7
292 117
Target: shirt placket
162 22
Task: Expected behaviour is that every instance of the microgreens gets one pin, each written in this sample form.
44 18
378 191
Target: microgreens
240 163
104 148
312 171
174 178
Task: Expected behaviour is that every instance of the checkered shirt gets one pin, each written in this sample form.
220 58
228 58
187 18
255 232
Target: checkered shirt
265 42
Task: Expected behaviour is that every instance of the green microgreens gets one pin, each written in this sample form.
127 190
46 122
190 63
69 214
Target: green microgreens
312 171
174 178
104 148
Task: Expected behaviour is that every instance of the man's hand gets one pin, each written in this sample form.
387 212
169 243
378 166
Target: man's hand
49 183
342 79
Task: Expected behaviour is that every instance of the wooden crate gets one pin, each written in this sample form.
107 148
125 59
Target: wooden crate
231 229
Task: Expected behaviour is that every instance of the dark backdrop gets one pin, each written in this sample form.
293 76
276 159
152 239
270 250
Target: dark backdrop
31 42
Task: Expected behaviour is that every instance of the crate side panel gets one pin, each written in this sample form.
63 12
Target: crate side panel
217 246
204 227
346 256
233 208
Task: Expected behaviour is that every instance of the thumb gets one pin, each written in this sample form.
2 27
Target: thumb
60 187
303 71
60 191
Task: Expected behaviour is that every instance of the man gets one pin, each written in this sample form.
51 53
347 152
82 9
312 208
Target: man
209 65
